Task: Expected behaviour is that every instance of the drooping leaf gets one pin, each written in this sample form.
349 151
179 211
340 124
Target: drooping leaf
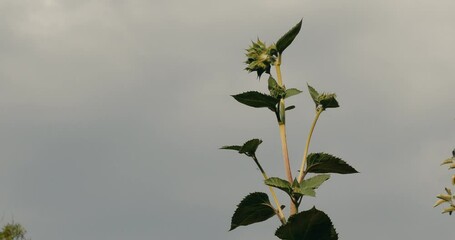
249 148
287 38
257 100
280 184
253 208
308 225
308 186
326 163
233 147
291 92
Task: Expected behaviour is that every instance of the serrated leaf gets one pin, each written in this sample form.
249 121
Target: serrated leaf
249 148
233 147
308 186
326 163
280 184
314 94
287 38
257 100
308 225
253 208
291 92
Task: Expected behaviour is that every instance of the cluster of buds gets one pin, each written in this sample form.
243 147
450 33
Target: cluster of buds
448 197
260 57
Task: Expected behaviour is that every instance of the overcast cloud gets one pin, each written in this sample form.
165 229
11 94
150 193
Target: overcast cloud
112 113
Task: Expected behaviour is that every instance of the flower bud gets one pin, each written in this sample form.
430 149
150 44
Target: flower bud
260 57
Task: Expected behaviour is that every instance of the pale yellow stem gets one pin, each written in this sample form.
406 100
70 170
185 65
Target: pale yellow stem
307 146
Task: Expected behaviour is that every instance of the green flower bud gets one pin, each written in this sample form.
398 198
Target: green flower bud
260 58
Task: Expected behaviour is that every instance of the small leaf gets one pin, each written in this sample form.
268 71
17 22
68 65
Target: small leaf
327 100
272 84
290 107
326 163
308 225
249 148
314 94
308 186
280 184
257 100
287 38
233 147
253 208
291 92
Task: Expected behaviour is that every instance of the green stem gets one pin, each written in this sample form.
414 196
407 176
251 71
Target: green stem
280 213
282 127
307 146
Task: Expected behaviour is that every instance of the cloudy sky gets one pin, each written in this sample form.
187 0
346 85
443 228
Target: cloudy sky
112 113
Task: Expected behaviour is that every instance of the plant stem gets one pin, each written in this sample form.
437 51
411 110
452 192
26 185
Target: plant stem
282 127
280 213
307 146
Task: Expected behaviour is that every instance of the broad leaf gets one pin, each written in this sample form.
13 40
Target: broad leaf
308 186
291 92
249 148
326 163
308 225
257 100
253 208
287 38
280 184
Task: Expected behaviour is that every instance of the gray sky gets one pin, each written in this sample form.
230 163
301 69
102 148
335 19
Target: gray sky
112 113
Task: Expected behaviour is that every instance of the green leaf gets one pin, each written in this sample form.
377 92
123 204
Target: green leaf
308 186
233 147
253 208
287 38
314 94
326 163
308 225
276 90
290 107
328 100
249 148
291 92
280 184
257 100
